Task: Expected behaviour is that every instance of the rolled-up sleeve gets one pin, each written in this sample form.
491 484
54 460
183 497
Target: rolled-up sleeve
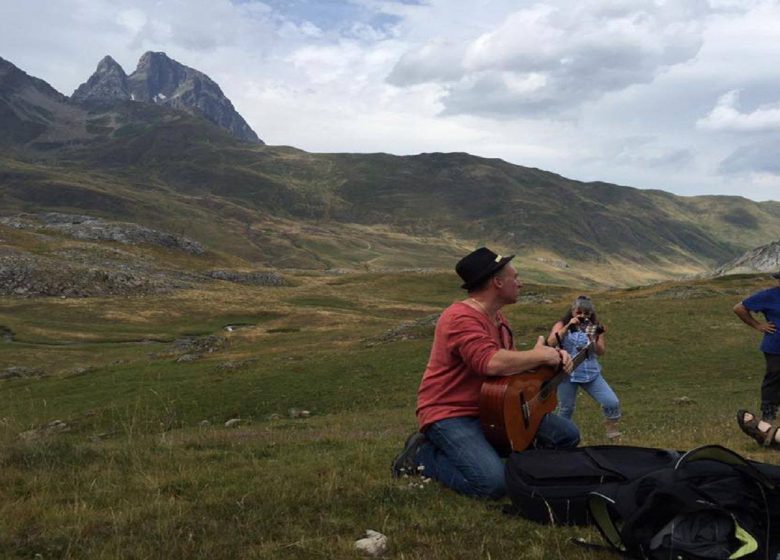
470 340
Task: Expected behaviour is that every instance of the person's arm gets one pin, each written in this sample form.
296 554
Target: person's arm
747 318
509 362
601 342
560 329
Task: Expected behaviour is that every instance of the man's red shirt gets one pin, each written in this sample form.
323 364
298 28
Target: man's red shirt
463 344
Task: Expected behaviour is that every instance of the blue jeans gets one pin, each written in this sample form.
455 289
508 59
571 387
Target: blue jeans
598 389
457 454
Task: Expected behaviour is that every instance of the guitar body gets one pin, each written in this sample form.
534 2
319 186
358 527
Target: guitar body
512 407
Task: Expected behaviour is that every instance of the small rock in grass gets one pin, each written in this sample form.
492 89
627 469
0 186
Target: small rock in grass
187 358
373 544
233 422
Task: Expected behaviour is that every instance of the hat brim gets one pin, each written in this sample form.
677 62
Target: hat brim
490 271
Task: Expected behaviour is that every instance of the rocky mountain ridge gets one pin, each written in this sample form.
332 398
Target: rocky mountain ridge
35 115
30 109
765 258
163 81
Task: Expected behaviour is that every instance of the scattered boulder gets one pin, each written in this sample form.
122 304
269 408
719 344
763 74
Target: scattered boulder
683 400
233 423
409 330
254 278
232 366
199 344
20 372
6 334
296 413
373 544
187 358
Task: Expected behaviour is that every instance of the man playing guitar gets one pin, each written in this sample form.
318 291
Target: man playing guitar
472 343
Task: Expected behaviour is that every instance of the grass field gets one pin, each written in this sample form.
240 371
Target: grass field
144 467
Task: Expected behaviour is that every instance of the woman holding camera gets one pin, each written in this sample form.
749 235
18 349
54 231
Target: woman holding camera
573 333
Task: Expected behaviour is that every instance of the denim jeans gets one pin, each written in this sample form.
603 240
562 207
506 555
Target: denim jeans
457 454
598 389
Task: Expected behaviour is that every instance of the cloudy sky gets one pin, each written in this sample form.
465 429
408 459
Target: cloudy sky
678 95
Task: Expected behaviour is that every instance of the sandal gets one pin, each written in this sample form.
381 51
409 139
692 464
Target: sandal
750 427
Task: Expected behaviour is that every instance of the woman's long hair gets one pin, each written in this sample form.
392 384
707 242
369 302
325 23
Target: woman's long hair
582 303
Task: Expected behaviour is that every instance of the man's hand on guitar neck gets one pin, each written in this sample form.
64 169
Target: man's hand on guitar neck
561 361
510 362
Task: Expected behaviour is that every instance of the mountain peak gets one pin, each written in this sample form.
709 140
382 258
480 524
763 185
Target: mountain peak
154 56
108 64
108 83
160 80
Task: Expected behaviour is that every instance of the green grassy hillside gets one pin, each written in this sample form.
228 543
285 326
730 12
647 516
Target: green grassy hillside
282 207
144 467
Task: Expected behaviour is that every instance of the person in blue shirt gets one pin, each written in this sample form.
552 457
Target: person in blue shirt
571 333
766 302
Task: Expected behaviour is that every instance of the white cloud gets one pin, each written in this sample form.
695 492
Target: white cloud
725 116
571 52
624 91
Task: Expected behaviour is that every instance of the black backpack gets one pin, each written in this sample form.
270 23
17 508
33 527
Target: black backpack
553 485
711 504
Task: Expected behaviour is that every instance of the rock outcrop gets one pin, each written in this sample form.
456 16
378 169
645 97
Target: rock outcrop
28 275
765 258
255 278
89 228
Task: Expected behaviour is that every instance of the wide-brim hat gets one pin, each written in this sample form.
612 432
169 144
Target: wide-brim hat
479 265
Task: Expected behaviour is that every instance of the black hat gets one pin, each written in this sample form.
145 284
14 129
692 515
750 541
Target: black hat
478 266
776 275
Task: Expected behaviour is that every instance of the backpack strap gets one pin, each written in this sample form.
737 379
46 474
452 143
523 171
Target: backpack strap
600 512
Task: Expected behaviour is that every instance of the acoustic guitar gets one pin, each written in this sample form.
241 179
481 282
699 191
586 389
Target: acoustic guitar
511 407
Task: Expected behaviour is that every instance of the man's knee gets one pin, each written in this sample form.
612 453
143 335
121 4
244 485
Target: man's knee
491 489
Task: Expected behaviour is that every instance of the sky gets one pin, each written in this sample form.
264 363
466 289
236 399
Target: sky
677 95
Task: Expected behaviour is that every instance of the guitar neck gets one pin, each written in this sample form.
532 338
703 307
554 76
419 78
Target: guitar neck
582 355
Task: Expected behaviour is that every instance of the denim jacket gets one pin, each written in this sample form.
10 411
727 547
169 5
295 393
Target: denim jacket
588 370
